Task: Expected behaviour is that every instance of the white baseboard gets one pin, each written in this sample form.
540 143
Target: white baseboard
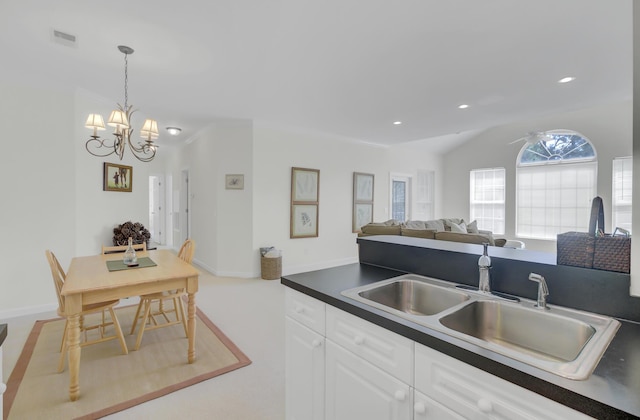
28 310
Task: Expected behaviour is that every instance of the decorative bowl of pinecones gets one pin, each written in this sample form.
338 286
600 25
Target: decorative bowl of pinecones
136 231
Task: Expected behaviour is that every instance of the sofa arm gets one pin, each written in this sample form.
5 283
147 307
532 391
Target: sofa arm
380 229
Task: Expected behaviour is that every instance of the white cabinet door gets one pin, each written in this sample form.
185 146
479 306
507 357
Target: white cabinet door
425 408
304 372
356 389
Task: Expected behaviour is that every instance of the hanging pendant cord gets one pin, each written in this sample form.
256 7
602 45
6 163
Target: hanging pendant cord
126 81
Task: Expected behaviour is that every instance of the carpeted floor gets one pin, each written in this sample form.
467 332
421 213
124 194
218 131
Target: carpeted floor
109 380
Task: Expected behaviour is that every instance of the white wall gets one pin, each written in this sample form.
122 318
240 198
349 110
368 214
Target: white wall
221 221
609 128
37 172
277 150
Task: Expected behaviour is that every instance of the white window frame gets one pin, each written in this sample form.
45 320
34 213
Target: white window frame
622 192
487 189
554 196
407 199
425 195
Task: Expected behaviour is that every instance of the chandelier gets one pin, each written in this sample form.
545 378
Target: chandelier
120 118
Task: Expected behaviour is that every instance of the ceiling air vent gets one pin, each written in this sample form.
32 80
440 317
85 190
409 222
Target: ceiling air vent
64 38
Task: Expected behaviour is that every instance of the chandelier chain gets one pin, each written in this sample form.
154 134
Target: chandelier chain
126 81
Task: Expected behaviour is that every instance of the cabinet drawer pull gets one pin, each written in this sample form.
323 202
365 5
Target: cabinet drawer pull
400 395
316 343
358 340
420 408
298 309
485 405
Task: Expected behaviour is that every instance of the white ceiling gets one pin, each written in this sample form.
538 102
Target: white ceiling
345 67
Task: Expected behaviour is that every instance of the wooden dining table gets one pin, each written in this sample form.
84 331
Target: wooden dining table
89 281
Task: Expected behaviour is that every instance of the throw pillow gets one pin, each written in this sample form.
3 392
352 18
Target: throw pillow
458 228
448 222
473 227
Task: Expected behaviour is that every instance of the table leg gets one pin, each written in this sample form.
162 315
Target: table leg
191 326
73 340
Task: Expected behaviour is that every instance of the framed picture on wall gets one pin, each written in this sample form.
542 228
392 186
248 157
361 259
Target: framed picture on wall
234 182
304 220
362 200
117 177
305 202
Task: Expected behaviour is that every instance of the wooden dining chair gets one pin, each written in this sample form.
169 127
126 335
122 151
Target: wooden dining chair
121 248
152 319
59 277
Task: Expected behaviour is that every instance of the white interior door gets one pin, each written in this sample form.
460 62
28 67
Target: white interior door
156 209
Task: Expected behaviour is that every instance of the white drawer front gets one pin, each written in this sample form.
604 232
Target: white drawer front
306 310
383 348
425 408
476 394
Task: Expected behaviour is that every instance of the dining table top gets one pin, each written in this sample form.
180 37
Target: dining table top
90 273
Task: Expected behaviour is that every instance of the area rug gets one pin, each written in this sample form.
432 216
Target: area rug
109 380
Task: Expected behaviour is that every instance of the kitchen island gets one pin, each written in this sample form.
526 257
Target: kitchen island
611 391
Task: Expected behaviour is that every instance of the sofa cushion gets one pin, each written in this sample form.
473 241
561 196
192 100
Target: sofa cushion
415 224
419 233
437 225
473 227
468 238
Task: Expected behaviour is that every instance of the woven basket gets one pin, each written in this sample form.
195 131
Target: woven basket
595 249
271 268
576 249
612 253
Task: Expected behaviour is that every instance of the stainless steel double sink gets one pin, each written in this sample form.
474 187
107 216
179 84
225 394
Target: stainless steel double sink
559 340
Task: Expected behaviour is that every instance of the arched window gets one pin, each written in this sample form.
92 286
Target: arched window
556 176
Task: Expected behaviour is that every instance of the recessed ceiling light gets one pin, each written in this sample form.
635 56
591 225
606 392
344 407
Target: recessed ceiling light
463 106
174 131
567 79
397 122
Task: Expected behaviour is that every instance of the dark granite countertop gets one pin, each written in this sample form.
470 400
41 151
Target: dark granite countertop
611 392
3 334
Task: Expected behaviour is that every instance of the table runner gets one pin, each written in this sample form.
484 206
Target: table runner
117 265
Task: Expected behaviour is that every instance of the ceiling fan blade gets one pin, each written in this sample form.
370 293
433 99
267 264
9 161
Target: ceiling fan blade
532 137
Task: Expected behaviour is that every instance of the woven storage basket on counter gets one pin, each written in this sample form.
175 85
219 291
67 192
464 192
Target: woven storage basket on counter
595 249
576 249
271 268
612 253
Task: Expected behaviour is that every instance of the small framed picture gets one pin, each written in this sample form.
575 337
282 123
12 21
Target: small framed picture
234 182
117 177
362 215
304 220
304 185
